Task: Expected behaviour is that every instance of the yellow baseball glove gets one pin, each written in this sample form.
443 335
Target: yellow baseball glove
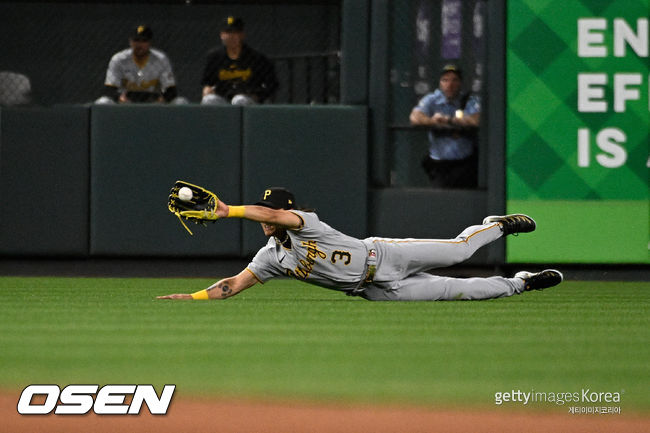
192 203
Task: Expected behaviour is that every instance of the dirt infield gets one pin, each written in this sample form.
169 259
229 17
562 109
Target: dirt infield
224 416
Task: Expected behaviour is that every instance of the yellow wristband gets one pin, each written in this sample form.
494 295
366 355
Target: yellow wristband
236 211
201 295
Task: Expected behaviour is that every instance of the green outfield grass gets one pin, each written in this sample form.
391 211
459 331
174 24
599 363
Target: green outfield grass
291 340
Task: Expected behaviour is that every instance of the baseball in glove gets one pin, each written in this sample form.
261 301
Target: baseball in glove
199 208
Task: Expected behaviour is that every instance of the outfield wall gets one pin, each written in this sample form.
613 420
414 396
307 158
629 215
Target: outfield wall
44 179
93 181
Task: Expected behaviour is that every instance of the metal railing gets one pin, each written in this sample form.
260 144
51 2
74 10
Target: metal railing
308 78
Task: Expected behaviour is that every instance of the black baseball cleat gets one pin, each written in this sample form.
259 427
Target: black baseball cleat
513 223
540 280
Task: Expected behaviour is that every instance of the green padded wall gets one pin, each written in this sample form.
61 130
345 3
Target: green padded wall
320 153
103 174
137 152
44 181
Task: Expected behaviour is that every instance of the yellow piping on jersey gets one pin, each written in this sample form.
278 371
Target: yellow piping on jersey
255 276
302 221
440 241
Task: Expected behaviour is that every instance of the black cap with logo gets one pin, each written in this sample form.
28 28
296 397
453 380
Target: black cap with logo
277 198
142 33
232 24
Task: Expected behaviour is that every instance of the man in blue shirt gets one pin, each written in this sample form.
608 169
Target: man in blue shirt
454 118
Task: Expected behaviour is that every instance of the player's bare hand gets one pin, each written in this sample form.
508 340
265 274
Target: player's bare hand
176 296
222 209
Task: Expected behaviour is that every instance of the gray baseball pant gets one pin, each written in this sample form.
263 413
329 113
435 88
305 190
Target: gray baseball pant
401 266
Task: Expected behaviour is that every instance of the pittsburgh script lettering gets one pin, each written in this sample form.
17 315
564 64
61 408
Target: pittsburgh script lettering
242 74
306 266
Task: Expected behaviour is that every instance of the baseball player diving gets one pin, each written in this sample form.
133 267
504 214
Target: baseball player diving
303 247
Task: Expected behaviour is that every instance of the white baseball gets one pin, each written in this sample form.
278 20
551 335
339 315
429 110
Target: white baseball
185 194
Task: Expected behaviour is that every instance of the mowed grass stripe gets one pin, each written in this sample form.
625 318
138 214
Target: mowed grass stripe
289 339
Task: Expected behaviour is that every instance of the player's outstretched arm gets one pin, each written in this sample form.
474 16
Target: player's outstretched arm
222 289
261 214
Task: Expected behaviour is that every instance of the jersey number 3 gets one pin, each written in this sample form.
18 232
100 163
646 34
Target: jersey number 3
341 255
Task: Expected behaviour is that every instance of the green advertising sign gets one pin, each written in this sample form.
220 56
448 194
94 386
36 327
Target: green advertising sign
578 128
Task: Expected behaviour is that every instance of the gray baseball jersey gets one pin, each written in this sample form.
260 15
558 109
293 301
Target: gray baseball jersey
326 257
154 76
319 255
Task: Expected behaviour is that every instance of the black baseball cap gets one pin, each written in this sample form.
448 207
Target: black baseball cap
232 24
277 198
452 68
142 33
